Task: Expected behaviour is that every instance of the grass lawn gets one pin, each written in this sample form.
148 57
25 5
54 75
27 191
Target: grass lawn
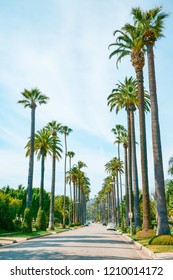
32 234
154 248
160 248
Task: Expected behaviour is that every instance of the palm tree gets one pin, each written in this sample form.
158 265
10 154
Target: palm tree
66 131
124 141
84 196
31 99
80 165
110 198
152 23
43 145
70 154
118 130
129 43
54 128
113 167
72 175
125 95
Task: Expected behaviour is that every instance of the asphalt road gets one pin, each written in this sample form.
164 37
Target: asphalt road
87 243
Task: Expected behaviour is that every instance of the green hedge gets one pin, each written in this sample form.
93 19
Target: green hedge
162 240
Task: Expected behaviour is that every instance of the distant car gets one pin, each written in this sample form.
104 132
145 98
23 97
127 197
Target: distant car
104 224
86 224
111 226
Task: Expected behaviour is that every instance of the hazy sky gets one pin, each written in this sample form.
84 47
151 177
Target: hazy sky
61 47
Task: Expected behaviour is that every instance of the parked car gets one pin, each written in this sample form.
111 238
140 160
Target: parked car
111 226
104 224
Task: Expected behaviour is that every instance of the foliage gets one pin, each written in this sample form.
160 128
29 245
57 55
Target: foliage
41 219
17 224
162 240
75 224
146 233
9 208
59 203
35 202
27 221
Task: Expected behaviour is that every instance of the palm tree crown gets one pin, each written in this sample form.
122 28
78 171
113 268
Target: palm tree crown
32 98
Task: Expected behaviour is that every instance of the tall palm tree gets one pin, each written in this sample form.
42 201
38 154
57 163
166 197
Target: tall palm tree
113 167
124 141
84 196
31 99
72 175
66 131
54 128
152 23
110 198
70 154
125 95
80 165
118 130
129 43
43 145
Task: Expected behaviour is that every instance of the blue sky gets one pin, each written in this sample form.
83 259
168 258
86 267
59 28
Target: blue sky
61 47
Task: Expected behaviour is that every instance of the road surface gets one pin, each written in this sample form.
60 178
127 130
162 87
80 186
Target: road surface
87 243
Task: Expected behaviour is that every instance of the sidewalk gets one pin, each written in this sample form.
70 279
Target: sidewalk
158 256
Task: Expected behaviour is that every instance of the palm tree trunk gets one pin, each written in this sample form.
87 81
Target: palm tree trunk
121 194
65 162
42 183
138 65
31 160
135 175
118 201
162 222
52 197
113 201
74 202
126 185
129 166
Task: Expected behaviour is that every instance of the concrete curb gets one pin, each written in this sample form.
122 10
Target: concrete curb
139 246
7 241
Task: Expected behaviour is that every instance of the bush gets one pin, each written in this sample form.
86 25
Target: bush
162 240
75 224
27 221
146 233
41 219
17 224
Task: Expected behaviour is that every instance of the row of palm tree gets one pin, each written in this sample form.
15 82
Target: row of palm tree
81 190
46 142
135 40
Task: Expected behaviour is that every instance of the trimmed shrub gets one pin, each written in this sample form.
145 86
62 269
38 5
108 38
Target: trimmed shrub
162 240
27 221
77 224
146 233
41 219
